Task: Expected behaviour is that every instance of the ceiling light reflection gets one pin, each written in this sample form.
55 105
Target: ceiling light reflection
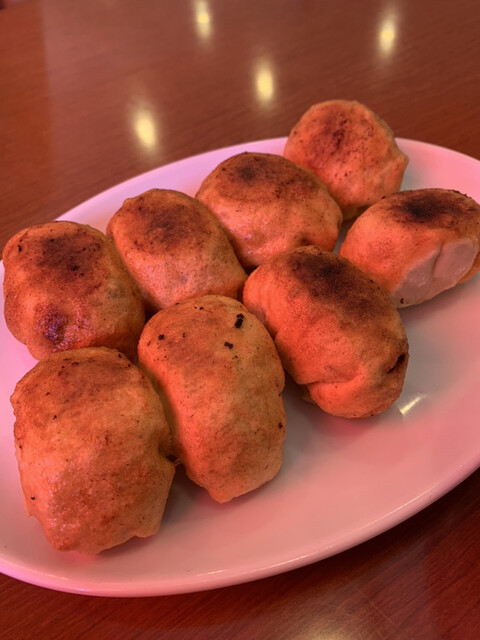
411 403
264 83
203 19
386 37
146 128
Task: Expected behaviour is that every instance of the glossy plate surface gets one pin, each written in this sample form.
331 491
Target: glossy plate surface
342 481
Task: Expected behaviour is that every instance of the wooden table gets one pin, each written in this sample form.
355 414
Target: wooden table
93 93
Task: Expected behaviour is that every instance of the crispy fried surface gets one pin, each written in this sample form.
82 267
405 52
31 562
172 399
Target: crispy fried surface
89 432
66 288
351 150
335 330
268 205
221 380
417 243
174 248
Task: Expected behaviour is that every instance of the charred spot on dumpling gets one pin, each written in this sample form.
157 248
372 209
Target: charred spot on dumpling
426 206
167 221
53 325
330 278
334 131
249 168
321 276
247 172
239 320
70 251
282 178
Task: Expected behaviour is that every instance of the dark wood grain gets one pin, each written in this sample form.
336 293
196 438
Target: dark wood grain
77 80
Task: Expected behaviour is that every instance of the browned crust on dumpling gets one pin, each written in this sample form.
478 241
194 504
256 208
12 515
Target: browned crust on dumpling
403 243
351 150
336 331
65 288
221 380
174 248
89 435
268 204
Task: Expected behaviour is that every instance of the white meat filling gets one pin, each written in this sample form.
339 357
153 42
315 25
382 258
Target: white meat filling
436 272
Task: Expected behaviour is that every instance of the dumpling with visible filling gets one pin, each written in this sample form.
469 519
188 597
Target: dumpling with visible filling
91 441
417 243
268 204
336 331
351 149
221 382
174 248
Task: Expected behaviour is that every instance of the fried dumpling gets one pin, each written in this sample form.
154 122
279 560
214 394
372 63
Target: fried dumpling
336 331
351 150
174 248
417 243
65 288
90 439
221 382
268 204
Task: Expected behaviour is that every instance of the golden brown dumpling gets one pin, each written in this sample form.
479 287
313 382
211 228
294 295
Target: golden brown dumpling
65 288
221 381
174 248
90 433
336 331
418 243
351 150
268 204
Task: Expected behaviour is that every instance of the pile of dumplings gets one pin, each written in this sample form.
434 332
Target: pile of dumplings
165 341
